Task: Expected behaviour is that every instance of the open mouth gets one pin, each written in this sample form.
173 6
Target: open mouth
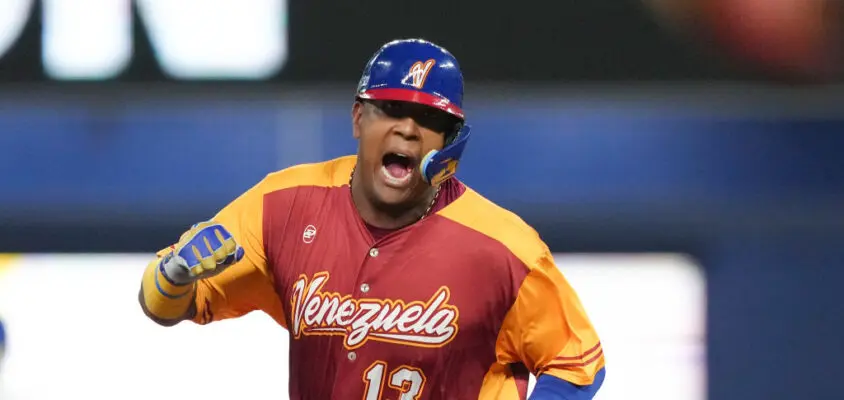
397 168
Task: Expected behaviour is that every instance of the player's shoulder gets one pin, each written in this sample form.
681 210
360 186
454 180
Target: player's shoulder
478 213
330 173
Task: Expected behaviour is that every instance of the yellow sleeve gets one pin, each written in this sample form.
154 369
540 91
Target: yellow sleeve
548 330
247 285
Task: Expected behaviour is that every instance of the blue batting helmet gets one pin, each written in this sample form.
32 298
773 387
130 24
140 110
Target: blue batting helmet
418 71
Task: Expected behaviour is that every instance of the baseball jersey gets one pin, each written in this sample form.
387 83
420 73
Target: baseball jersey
462 304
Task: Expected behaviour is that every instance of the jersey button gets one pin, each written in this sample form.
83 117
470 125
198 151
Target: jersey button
352 356
364 288
373 252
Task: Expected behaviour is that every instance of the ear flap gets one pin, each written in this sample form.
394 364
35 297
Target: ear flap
437 166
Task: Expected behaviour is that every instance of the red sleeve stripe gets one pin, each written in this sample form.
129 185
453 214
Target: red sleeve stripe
579 357
577 364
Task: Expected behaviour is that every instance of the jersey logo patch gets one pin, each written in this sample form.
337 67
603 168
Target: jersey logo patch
418 73
309 234
432 323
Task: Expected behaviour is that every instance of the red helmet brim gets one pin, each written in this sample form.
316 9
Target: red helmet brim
413 96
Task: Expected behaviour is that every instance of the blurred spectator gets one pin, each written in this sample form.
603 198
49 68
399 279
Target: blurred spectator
783 39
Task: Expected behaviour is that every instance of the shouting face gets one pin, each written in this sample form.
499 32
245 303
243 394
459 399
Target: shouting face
393 138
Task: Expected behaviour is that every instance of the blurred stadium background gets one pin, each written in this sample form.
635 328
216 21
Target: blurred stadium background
682 158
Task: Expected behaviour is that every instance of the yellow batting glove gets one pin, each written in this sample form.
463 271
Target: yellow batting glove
203 251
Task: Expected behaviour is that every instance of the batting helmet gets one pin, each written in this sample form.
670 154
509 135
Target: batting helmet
418 71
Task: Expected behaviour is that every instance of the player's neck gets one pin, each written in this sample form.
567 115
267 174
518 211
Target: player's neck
381 216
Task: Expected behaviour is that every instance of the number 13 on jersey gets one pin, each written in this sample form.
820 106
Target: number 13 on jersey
408 381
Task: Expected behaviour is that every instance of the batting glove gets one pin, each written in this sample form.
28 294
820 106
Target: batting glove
202 252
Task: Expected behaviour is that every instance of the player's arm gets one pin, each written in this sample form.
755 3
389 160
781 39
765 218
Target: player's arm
221 271
548 330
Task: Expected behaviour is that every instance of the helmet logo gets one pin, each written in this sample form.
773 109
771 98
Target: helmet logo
363 83
449 167
418 73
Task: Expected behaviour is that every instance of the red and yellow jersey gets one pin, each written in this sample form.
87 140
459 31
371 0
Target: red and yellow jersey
462 304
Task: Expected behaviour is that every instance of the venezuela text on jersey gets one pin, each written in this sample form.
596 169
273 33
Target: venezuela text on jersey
432 323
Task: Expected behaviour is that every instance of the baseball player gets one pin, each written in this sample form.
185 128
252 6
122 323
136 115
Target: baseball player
394 279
